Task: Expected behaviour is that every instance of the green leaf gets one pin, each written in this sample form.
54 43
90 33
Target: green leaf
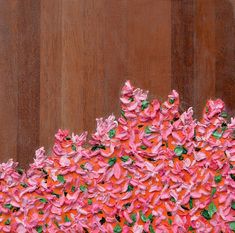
73 189
89 201
123 114
39 229
102 220
112 161
181 157
7 222
147 130
82 166
224 114
66 219
206 214
112 133
102 147
57 195
117 229
224 127
213 191
44 171
74 148
133 217
117 217
40 212
126 205
179 150
24 185
143 147
216 134
185 151
125 158
191 203
96 147
61 179
131 99
151 230
130 187
57 224
232 176
172 199
212 209
143 217
83 188
169 221
233 205
150 217
171 100
218 178
144 104
43 200
232 226
8 206
191 228
20 171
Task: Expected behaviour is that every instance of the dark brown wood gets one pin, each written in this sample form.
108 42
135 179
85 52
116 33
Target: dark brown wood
8 83
149 46
27 39
225 53
63 62
50 70
182 50
204 54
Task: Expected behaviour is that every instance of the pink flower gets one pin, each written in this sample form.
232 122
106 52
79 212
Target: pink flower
61 135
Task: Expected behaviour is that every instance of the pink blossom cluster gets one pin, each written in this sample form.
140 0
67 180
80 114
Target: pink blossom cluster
153 169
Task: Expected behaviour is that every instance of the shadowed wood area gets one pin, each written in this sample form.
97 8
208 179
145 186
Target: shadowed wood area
63 62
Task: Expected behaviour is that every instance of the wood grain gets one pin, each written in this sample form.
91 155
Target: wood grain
28 75
225 53
8 83
20 70
182 51
204 54
50 70
63 62
149 46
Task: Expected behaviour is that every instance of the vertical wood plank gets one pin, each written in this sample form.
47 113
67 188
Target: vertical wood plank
82 66
204 56
72 86
115 53
225 53
8 82
28 74
149 45
182 50
50 70
93 62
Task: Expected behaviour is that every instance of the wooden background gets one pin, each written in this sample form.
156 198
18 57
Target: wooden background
63 62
